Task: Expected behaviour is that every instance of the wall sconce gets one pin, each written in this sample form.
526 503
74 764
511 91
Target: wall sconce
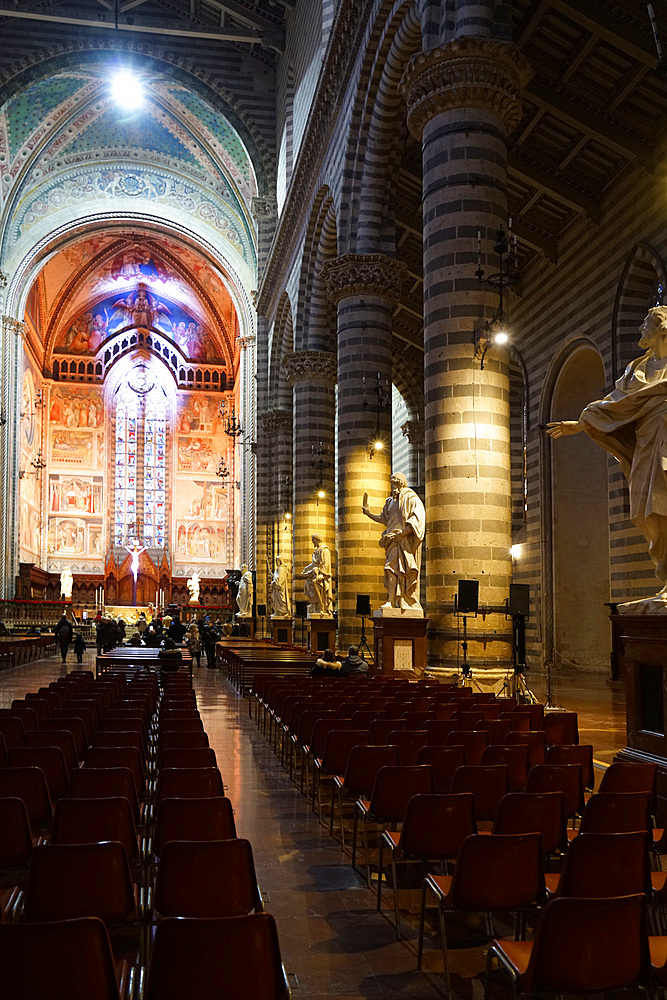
320 463
222 471
232 426
382 404
507 276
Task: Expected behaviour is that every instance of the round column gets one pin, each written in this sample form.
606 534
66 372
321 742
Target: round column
462 99
312 375
276 437
364 289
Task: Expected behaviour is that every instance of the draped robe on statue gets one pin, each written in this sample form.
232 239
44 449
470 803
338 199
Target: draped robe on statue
403 552
631 424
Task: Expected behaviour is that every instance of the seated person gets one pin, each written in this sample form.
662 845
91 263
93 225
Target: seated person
353 664
328 665
169 656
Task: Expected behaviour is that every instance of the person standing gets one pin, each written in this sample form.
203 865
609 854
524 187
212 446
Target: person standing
209 637
79 647
63 633
193 643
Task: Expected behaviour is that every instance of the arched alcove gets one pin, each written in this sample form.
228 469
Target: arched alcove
580 532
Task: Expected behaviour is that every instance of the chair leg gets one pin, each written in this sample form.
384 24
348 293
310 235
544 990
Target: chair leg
443 946
340 815
378 901
354 838
331 816
394 886
420 942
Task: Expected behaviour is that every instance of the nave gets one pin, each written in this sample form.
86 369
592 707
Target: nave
332 940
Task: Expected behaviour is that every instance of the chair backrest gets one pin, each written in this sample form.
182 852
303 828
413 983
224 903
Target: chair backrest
616 812
181 740
308 720
214 878
409 744
181 726
337 748
394 787
126 738
91 821
13 731
565 778
187 757
193 957
435 826
23 712
525 812
15 833
193 819
628 776
580 754
94 705
188 783
363 764
85 715
380 730
497 729
101 782
56 738
28 784
535 740
561 727
44 960
499 872
606 864
128 757
440 729
487 783
589 946
416 719
80 880
38 704
517 759
52 762
474 742
71 725
445 762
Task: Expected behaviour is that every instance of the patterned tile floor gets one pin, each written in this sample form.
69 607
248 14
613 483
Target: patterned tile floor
332 939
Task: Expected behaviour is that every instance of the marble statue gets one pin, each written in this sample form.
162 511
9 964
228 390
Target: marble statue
245 592
281 604
630 423
317 575
66 584
404 523
193 588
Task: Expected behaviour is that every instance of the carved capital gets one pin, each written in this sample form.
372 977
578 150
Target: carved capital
466 72
275 422
264 209
363 274
14 325
413 430
310 365
246 342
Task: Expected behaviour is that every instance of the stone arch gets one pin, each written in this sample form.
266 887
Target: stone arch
316 328
374 154
642 284
576 569
282 345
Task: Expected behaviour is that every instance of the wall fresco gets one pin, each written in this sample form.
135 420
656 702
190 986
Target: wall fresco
29 489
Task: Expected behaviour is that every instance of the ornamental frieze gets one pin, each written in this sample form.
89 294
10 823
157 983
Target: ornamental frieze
363 274
467 72
311 364
275 422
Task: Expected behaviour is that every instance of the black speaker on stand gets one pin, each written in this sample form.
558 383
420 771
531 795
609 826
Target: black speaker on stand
466 603
261 613
518 609
363 612
301 611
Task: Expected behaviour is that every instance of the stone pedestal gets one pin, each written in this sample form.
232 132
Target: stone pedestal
247 626
321 634
400 644
282 631
644 639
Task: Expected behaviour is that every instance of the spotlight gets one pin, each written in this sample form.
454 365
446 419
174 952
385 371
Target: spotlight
321 494
501 337
515 551
127 91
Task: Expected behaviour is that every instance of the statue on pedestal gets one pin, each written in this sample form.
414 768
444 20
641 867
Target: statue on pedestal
317 575
66 583
404 519
193 588
630 423
244 596
281 604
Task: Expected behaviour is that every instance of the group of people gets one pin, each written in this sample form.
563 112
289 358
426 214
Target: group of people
328 666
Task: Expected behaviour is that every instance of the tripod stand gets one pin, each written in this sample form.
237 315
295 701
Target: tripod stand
362 644
515 685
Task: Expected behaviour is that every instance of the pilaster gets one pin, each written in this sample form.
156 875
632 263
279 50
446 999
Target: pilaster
10 439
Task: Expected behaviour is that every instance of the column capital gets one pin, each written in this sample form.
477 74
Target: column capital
246 341
467 72
363 274
14 325
264 208
302 365
413 430
275 421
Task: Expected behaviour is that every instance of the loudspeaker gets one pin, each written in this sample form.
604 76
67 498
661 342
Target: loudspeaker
301 608
519 603
363 604
468 600
261 610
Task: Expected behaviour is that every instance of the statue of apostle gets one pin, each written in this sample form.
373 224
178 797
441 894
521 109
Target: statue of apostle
317 575
404 522
281 605
245 592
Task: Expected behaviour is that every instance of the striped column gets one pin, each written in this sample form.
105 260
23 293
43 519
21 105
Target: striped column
462 99
364 289
413 430
275 428
312 375
12 331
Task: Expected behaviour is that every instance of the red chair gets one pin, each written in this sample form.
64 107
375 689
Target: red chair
214 878
409 744
337 747
487 783
581 946
604 864
193 819
363 764
628 776
129 757
620 812
25 713
188 783
58 738
440 729
445 762
580 754
71 725
106 782
526 812
193 957
561 728
12 731
474 742
91 821
536 741
28 784
15 834
52 762
182 740
517 759
565 778
187 757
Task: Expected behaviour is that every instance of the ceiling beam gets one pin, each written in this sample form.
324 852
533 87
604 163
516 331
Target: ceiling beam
536 240
601 24
585 121
271 31
539 11
634 80
561 191
181 29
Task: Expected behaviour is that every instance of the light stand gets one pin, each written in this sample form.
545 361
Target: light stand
362 644
549 704
465 670
515 684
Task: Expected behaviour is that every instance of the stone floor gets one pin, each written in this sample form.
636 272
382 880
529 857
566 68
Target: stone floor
333 941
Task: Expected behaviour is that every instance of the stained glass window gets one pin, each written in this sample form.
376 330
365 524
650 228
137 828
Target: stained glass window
155 433
125 516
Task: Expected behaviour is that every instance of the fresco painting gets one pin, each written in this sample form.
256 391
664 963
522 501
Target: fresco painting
29 496
75 515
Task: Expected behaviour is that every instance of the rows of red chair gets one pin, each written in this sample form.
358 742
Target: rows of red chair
496 793
117 842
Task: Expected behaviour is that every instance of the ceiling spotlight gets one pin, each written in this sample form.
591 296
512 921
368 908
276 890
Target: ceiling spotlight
127 91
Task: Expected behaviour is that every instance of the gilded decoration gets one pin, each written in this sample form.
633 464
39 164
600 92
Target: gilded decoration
356 274
302 365
467 72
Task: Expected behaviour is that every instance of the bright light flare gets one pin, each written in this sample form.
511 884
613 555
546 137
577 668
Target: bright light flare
127 91
501 337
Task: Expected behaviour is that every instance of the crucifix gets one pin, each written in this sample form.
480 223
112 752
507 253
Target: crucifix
135 551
